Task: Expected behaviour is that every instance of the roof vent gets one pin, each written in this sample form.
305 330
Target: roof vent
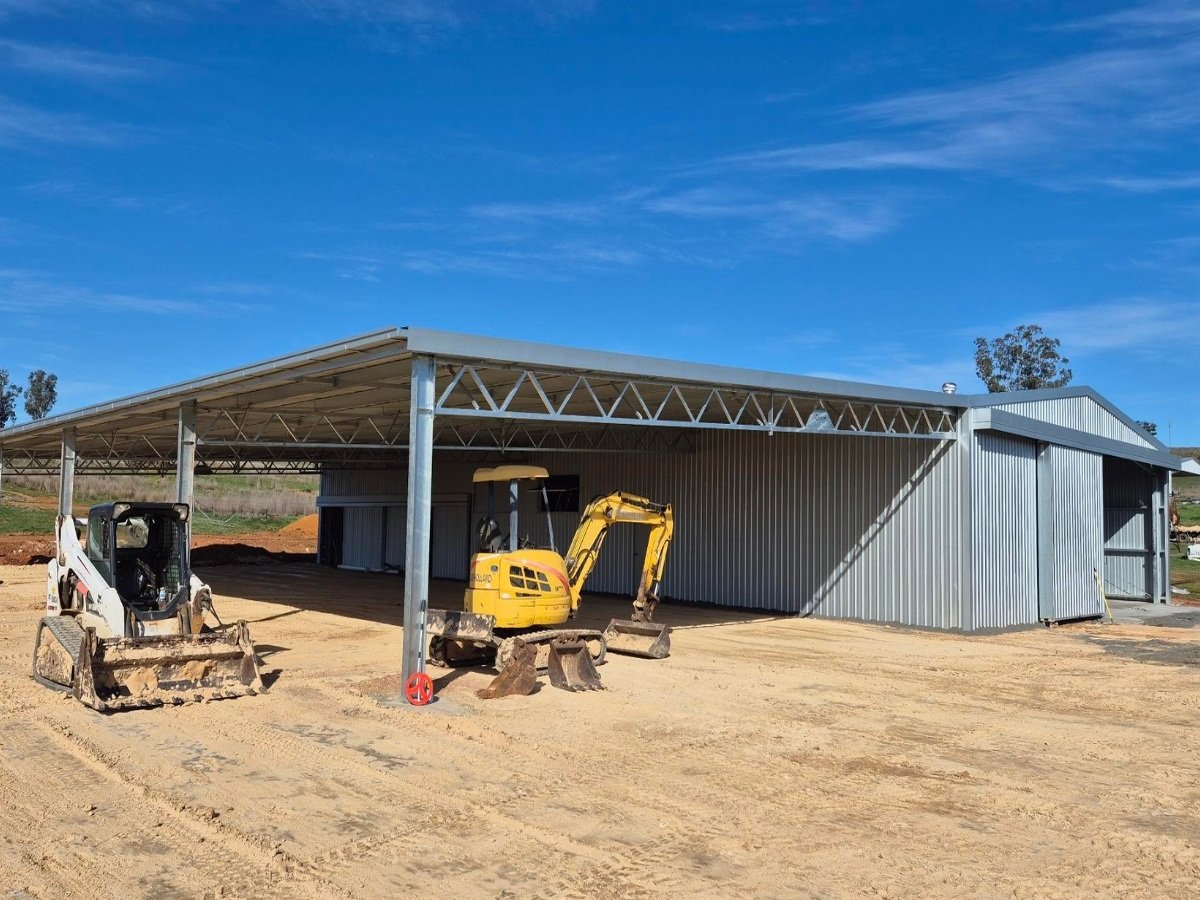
949 388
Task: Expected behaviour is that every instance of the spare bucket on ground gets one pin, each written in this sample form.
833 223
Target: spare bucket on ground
571 668
648 640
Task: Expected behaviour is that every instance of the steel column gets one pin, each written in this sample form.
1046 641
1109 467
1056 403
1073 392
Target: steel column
66 469
514 523
1162 537
185 454
966 560
420 505
1 473
1047 585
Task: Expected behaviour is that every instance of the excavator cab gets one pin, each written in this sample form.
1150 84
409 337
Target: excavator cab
517 582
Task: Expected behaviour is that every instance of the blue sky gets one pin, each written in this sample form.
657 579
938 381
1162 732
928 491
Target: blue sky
846 189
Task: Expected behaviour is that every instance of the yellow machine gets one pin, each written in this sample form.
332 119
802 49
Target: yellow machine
516 588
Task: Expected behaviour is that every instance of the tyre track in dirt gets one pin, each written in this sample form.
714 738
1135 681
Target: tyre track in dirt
840 760
196 853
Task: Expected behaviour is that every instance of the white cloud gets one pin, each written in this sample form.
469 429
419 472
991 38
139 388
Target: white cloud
20 125
845 218
23 290
1170 18
426 20
1131 98
1145 326
1154 183
152 10
77 64
557 211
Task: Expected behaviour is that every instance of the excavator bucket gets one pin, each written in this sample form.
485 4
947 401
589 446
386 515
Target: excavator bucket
517 677
571 667
648 640
123 673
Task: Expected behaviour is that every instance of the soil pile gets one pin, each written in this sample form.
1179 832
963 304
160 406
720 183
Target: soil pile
25 550
305 526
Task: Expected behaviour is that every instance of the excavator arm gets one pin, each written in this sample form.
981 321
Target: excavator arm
599 516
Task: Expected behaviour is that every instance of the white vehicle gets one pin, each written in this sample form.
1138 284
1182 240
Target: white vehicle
124 624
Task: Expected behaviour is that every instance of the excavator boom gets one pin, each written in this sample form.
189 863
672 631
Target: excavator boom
638 636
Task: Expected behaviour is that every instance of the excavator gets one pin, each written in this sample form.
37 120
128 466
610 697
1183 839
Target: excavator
519 595
125 617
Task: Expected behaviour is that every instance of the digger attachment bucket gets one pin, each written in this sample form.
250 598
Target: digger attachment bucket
571 666
648 640
518 677
123 673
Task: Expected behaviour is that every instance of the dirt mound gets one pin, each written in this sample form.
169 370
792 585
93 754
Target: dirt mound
25 550
305 526
243 555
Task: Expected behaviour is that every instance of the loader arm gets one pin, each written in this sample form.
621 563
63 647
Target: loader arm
599 516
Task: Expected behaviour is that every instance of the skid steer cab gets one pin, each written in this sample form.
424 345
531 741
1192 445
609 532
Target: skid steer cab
125 621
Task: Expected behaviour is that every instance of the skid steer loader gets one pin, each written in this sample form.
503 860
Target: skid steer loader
519 592
124 624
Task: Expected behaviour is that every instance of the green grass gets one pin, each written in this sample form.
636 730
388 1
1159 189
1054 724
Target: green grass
1185 573
18 515
1189 513
14 520
239 524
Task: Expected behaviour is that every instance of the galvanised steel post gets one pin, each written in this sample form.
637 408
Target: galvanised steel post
185 460
66 473
514 524
420 504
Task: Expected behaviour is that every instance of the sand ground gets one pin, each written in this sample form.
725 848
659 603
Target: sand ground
766 757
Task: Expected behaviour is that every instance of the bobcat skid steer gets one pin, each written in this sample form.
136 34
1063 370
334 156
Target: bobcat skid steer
124 624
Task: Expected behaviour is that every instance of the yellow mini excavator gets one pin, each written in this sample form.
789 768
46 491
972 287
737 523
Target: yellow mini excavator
521 593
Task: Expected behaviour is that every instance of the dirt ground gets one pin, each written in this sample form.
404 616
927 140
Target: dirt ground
21 549
765 757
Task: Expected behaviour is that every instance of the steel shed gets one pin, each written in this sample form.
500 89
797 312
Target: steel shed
800 495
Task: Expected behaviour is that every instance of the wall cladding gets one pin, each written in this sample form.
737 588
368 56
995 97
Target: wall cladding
866 528
1004 543
1078 539
1080 413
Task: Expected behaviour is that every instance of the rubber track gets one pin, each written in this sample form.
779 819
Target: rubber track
504 650
70 635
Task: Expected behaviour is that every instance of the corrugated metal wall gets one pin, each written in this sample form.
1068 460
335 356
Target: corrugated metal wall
1004 545
363 541
450 543
1080 413
1129 529
397 537
867 528
1078 541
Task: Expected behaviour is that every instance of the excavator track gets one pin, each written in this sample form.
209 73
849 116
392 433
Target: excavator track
540 641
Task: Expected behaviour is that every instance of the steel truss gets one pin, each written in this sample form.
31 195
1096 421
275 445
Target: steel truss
473 391
223 457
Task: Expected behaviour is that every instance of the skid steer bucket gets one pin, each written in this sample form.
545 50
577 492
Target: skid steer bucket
571 668
648 640
124 673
